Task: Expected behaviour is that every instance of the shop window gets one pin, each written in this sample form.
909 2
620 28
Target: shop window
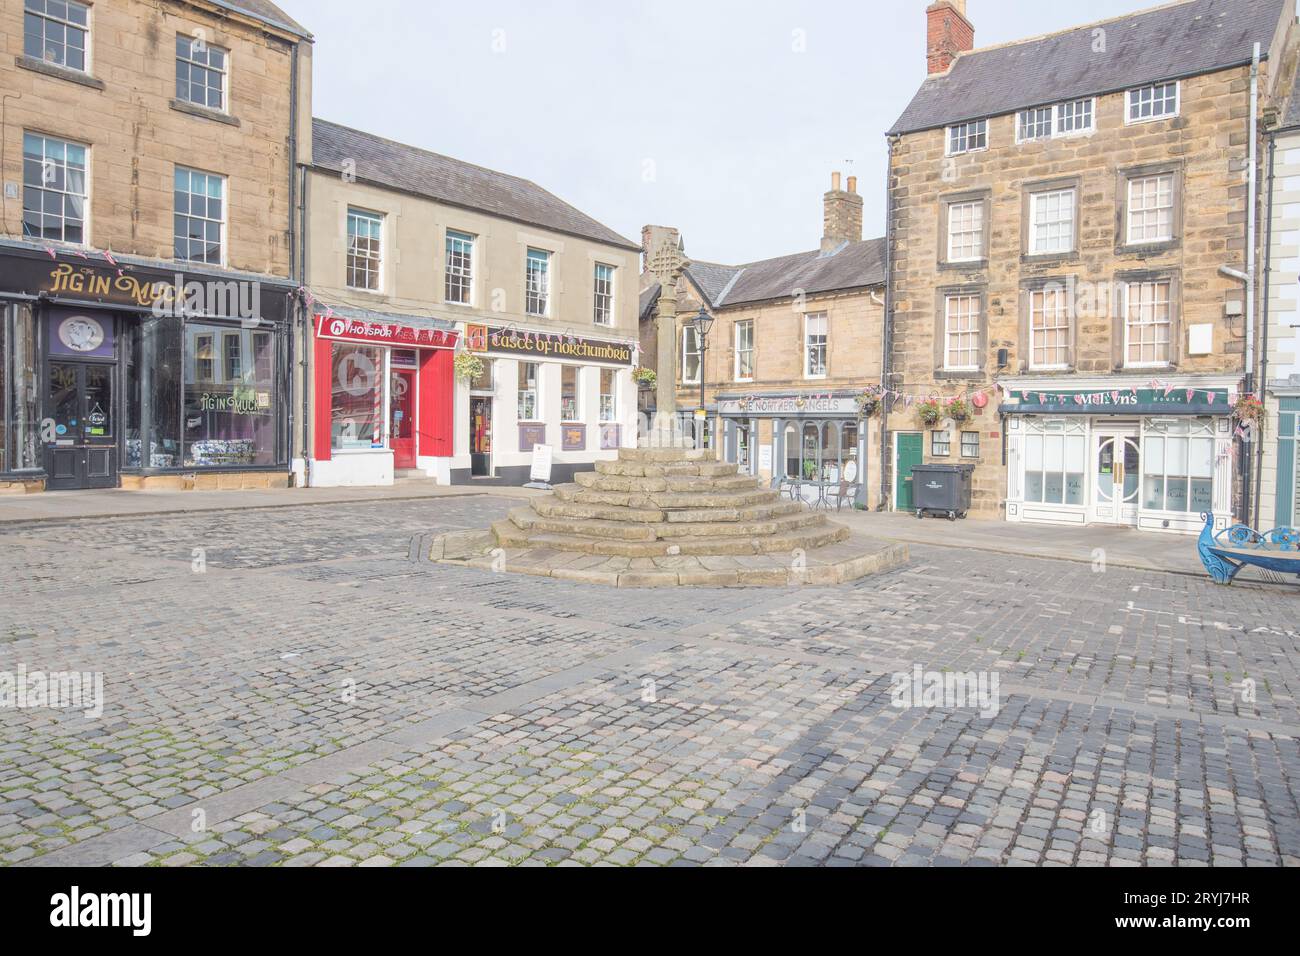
818 451
570 378
941 443
55 184
608 396
205 363
970 444
357 402
231 423
528 392
1178 467
1055 463
19 412
155 372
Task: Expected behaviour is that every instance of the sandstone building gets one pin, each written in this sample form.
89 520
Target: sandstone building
1067 241
794 347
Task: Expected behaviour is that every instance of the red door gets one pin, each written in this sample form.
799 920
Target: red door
401 426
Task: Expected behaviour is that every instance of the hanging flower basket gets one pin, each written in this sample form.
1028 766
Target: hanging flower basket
930 411
958 409
468 366
645 377
868 402
1248 409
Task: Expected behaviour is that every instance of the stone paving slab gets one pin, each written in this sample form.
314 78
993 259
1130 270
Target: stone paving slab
327 699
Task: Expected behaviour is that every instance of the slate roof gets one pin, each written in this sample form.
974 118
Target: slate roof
384 162
855 265
1291 118
266 12
1177 40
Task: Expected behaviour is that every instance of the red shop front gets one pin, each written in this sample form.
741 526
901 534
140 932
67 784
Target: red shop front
383 398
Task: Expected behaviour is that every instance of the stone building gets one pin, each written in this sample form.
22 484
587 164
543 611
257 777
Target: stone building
414 256
147 247
795 342
1068 246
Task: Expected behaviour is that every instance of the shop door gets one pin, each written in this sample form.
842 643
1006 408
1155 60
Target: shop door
1117 478
907 454
480 437
80 405
401 424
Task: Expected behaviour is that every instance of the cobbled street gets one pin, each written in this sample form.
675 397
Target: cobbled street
295 687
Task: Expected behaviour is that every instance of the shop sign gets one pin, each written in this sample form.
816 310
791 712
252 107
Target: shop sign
573 437
611 436
531 436
545 345
383 333
1179 400
789 405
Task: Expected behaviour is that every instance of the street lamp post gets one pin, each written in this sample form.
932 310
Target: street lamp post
703 322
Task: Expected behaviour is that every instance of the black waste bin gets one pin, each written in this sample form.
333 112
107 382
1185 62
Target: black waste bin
942 489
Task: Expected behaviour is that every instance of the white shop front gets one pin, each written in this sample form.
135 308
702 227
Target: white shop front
1154 456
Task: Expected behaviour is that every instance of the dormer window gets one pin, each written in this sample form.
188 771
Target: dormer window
1060 119
1153 102
968 137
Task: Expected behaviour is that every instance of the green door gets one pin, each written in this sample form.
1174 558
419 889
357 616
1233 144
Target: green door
908 445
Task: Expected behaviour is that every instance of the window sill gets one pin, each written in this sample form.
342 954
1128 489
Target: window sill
1049 258
959 375
964 265
1146 249
203 112
58 72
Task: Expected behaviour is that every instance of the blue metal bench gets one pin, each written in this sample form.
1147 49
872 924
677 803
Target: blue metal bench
1225 554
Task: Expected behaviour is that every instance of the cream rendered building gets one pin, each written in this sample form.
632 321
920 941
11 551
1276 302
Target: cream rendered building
413 258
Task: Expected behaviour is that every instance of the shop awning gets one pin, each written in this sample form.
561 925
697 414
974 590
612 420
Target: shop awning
351 324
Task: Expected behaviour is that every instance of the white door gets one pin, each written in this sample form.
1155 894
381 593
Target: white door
1116 477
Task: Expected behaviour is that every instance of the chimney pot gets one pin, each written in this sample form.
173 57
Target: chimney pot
853 184
841 215
835 182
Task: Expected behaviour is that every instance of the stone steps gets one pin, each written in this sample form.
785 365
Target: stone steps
666 469
597 481
525 530
672 501
633 525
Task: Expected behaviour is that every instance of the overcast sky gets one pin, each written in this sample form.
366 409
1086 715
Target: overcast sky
721 117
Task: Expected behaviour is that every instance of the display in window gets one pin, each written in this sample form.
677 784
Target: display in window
357 406
230 408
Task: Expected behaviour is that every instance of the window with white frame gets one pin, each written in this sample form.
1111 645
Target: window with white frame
603 279
690 355
1051 222
961 332
608 395
365 249
233 356
1151 208
57 32
537 282
941 443
55 183
1074 117
970 444
1152 102
204 360
816 333
1055 456
968 137
1178 466
200 216
460 268
745 351
1034 124
1147 322
570 393
527 391
201 73
966 231
1049 329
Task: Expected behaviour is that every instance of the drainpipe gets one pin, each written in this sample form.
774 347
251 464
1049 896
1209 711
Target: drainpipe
1263 322
887 331
295 306
1252 198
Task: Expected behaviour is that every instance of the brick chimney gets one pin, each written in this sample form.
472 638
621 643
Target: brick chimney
842 214
651 238
947 33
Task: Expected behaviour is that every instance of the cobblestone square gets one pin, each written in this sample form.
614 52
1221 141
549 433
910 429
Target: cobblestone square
296 687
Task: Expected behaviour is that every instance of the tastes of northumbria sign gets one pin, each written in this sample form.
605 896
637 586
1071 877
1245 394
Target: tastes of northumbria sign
552 345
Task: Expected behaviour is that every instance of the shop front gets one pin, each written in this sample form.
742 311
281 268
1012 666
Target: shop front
117 374
572 394
805 442
383 397
1154 457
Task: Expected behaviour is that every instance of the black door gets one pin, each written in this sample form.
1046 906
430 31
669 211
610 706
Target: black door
81 452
